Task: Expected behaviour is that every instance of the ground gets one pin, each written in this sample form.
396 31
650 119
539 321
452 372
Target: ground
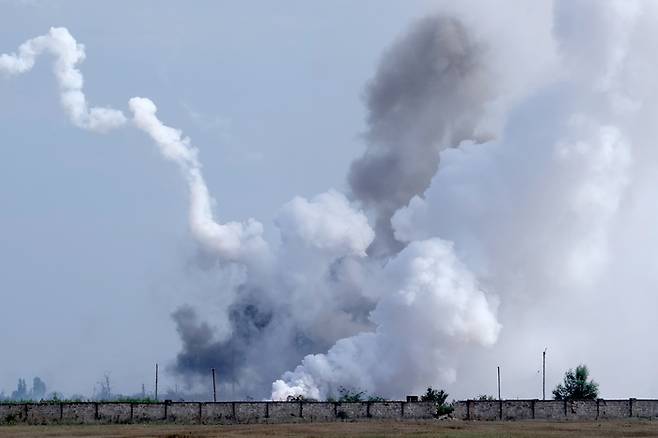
371 429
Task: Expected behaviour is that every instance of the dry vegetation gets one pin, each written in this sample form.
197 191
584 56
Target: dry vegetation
373 429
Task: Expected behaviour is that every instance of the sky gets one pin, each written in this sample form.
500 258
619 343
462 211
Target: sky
377 195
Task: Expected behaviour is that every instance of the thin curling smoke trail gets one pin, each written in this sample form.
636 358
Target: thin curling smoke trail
68 53
232 241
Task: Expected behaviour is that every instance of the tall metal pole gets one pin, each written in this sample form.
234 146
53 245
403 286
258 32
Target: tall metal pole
498 383
156 382
543 375
214 389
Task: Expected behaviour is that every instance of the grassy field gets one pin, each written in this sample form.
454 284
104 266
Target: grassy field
635 428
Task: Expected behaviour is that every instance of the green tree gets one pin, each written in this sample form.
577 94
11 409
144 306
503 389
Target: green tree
434 395
576 386
439 397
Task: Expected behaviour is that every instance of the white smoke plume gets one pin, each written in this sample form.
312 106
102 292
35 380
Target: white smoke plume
68 54
539 216
504 201
429 304
232 241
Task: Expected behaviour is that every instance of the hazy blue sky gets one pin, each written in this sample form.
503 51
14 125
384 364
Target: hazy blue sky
94 245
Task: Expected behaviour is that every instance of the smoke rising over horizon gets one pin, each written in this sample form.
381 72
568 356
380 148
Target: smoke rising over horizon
427 94
503 202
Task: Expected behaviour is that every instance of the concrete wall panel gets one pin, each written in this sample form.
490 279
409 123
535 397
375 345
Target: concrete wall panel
217 413
645 408
12 414
184 413
485 410
390 410
319 411
148 412
461 410
44 413
609 409
284 412
582 410
247 412
351 411
419 410
115 413
550 410
79 413
518 409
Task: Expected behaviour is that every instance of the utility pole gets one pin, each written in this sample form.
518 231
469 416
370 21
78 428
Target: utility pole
156 382
543 375
214 389
499 383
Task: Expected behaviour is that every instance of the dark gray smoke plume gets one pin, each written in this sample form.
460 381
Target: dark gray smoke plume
428 94
201 351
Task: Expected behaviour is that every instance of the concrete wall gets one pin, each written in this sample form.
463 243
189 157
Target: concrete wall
290 412
217 413
319 411
644 408
555 410
485 410
614 408
550 410
209 413
115 413
518 409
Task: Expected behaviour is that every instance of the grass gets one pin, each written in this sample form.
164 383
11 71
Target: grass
369 429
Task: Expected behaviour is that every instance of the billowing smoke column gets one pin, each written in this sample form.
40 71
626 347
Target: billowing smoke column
429 304
428 94
472 257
